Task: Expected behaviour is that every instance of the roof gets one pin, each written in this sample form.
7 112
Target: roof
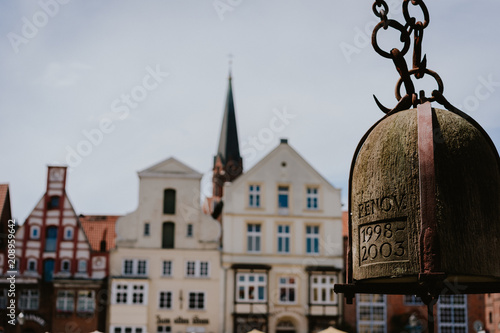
4 197
171 167
98 226
229 149
298 158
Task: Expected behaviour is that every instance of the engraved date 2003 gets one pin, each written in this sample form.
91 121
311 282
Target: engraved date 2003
383 242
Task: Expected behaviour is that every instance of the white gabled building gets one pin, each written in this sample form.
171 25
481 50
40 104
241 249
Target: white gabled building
282 247
164 273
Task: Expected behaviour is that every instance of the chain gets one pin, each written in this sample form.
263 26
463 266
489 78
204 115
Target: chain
419 69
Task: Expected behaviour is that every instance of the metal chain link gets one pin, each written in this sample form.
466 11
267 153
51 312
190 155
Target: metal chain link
381 10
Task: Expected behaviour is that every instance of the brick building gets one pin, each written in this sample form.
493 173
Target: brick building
60 278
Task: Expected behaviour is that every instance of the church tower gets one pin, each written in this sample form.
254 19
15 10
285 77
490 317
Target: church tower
228 164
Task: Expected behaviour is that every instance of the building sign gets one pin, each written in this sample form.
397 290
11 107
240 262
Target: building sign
39 320
160 320
180 320
197 320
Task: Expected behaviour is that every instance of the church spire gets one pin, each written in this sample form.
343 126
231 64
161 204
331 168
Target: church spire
228 163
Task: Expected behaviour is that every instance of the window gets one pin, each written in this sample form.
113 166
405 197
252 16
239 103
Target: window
285 326
65 301
452 313
312 198
138 294
35 232
51 239
68 233
129 293
312 239
251 287
135 267
48 269
141 267
128 267
29 299
168 232
322 289
283 200
54 202
283 238
65 266
253 237
128 329
82 266
288 289
32 265
197 269
163 329
121 292
86 301
371 312
412 300
169 201
254 196
196 300
189 230
165 301
167 268
147 229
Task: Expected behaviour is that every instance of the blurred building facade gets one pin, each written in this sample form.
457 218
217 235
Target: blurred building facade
282 253
165 270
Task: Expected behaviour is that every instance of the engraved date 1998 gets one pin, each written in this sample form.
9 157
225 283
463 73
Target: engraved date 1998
383 242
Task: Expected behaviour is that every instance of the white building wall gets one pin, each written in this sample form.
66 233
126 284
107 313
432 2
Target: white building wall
284 167
201 246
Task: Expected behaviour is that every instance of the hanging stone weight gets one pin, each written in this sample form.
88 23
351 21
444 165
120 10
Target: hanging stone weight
385 202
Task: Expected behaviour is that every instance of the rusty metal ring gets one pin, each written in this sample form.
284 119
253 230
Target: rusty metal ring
405 37
412 21
426 71
376 12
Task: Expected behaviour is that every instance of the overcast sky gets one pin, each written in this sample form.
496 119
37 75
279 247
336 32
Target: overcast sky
67 68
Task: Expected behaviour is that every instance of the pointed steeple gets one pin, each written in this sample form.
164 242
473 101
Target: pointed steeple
228 140
228 163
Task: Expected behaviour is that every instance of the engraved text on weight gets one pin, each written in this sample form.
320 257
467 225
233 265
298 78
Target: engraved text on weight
383 241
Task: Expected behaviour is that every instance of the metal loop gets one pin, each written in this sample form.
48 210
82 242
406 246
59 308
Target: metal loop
405 37
382 13
426 71
412 21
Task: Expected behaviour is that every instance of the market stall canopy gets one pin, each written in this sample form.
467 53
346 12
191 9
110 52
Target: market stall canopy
331 330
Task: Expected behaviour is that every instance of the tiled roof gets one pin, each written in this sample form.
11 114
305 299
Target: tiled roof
4 190
98 226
